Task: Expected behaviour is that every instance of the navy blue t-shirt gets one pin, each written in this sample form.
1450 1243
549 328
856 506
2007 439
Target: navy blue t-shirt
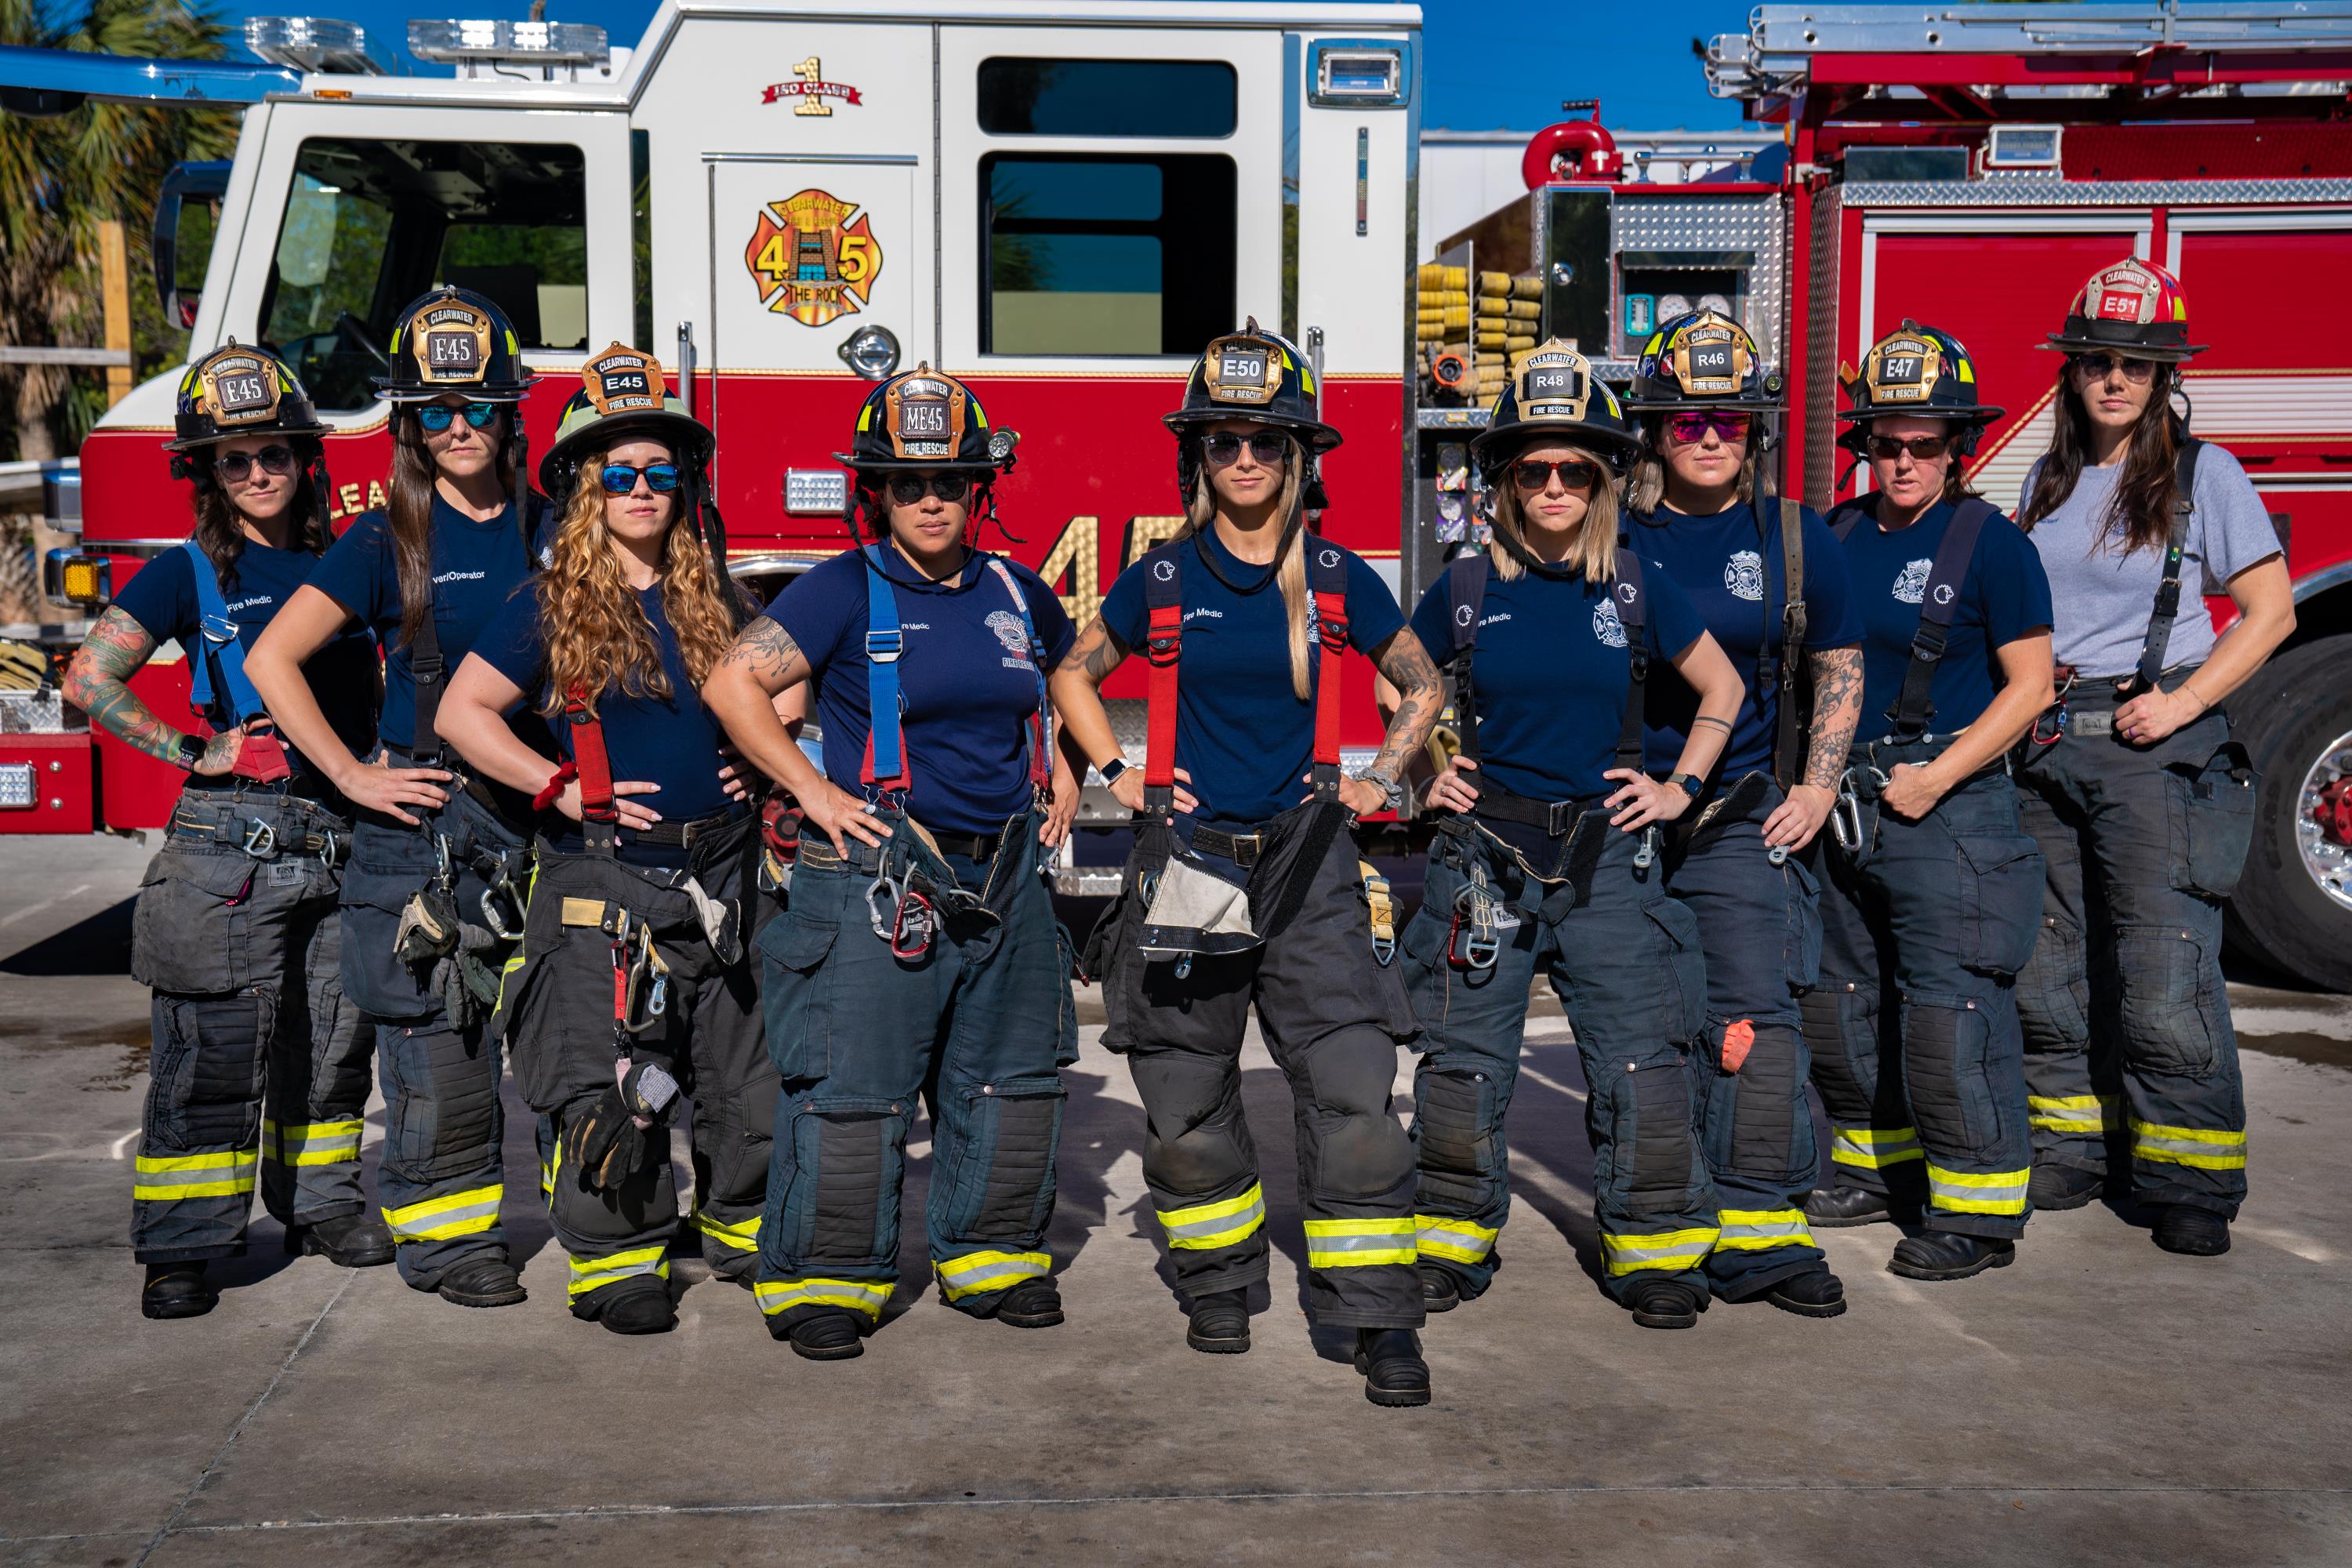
1552 668
162 597
474 566
1241 730
1733 579
2004 596
967 686
670 741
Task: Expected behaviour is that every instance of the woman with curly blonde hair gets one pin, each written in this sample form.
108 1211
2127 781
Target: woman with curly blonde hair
632 988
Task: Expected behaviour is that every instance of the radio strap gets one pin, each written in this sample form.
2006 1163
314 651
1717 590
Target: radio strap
1790 665
1632 614
2167 591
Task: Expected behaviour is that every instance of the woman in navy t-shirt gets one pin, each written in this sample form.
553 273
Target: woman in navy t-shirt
437 861
919 955
1245 886
259 1069
1768 579
1549 859
1934 894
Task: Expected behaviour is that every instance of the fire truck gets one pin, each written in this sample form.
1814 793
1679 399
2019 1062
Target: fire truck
1062 202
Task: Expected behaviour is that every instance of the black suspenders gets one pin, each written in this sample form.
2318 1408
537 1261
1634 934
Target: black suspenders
1938 604
2167 591
1789 665
1466 595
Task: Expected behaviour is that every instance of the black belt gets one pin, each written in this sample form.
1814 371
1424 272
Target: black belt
1242 848
262 839
971 846
683 835
1556 817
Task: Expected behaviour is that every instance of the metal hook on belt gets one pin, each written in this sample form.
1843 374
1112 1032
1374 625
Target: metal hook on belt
874 891
2057 726
1479 948
915 928
260 838
330 849
441 860
1183 965
1647 854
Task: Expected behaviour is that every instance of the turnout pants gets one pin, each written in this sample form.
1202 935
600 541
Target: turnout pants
260 1064
1916 1047
979 1023
1759 926
1624 960
442 1180
701 1023
2142 844
1333 1016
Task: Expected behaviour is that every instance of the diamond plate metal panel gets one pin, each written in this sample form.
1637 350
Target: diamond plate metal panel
1752 224
2042 192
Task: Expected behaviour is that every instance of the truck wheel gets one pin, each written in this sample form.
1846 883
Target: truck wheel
2293 911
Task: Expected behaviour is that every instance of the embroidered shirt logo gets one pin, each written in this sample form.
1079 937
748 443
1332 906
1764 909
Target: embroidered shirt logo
1011 633
1743 576
1911 586
1606 627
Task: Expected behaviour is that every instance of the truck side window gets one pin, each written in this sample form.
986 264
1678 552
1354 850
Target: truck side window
1095 254
1108 97
369 225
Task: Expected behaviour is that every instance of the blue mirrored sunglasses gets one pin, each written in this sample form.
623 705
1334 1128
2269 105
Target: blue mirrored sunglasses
620 478
436 416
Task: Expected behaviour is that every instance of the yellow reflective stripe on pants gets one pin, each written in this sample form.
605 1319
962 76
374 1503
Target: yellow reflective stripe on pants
742 1236
2074 1112
226 1174
547 1182
1675 1249
1756 1230
1358 1243
864 1295
469 1212
310 1142
2203 1148
595 1273
1218 1224
978 1273
1963 1192
1873 1147
1454 1240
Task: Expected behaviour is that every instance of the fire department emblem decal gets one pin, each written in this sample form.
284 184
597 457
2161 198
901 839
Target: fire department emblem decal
1743 576
809 93
1011 633
1911 587
1606 627
814 257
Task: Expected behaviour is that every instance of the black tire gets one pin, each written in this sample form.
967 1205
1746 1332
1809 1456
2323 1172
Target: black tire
2288 716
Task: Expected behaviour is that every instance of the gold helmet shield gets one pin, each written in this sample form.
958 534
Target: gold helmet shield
238 387
1244 370
1710 357
450 341
1899 369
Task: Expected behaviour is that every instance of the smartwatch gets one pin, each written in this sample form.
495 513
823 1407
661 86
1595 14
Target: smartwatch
192 752
1111 769
1691 784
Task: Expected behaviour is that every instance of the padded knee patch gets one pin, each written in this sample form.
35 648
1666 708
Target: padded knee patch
857 1150
445 1123
1661 1168
208 1085
1003 1178
1198 1141
1951 1096
2172 999
1766 1104
1453 1133
1842 1031
2053 990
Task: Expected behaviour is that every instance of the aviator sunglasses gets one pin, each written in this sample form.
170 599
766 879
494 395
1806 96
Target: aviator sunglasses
620 478
2098 367
1691 428
1923 448
437 417
1575 473
237 466
1268 447
908 488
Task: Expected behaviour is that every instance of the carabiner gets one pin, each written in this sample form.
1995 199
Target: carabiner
441 863
914 928
260 838
492 919
1183 965
1647 854
2057 728
330 850
1778 855
881 885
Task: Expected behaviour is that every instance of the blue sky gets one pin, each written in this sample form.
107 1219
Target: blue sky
1489 65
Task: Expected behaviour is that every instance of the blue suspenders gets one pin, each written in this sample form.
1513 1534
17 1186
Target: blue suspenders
885 747
219 646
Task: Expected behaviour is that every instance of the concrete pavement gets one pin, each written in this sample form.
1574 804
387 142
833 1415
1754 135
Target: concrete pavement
2099 1402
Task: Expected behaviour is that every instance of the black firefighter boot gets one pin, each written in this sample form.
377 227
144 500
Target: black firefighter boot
178 1290
1394 1374
1032 1304
828 1334
1948 1254
2192 1232
1220 1323
2055 1187
1439 1292
351 1241
1666 1304
1816 1293
1832 1208
482 1279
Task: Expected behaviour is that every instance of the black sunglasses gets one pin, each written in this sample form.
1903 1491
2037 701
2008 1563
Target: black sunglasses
908 488
237 466
437 416
1923 448
1268 447
2098 367
1575 473
620 478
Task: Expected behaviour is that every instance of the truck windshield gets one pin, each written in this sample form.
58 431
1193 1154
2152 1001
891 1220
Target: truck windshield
369 225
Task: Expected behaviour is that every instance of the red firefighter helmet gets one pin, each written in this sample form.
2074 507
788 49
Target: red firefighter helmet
2133 307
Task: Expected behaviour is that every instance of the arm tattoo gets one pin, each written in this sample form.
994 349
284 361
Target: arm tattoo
1837 710
1096 652
1406 665
110 655
766 652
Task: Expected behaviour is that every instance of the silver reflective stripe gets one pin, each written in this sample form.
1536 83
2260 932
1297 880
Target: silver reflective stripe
1241 1220
241 1172
1383 1241
1794 1227
424 1225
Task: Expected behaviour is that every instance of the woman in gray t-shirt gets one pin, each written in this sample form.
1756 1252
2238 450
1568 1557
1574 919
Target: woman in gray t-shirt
2141 803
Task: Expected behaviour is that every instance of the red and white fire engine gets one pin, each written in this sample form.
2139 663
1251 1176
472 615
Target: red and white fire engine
1064 201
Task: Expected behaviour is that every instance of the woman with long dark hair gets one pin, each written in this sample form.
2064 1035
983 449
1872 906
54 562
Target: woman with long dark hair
260 1062
2141 802
920 957
1556 631
1771 584
433 896
1929 907
1245 886
633 987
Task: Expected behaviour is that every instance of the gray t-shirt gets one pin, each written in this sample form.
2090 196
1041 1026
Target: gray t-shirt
2104 596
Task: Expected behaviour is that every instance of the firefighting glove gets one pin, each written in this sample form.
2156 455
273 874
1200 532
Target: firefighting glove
467 979
608 1146
428 926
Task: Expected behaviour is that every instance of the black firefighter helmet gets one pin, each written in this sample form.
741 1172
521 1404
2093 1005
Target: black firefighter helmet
1552 393
1702 360
240 391
924 419
454 340
1260 377
1919 371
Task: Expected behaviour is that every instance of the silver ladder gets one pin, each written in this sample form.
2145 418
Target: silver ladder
1774 56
